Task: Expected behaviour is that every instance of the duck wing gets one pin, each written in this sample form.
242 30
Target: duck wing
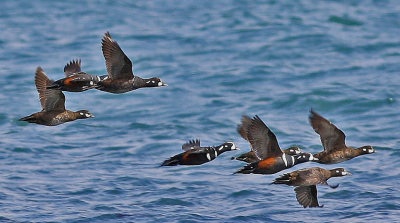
262 140
50 99
244 126
192 144
74 66
117 63
307 196
331 137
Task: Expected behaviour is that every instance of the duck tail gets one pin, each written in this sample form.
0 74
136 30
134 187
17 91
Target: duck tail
30 119
173 161
283 179
247 169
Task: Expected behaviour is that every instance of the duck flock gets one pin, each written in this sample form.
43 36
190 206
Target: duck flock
265 156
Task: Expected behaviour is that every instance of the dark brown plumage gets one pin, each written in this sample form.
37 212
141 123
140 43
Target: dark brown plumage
306 180
119 68
333 141
53 104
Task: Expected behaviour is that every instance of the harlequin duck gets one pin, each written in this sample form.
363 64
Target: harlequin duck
196 155
119 68
333 140
53 104
75 80
306 180
265 145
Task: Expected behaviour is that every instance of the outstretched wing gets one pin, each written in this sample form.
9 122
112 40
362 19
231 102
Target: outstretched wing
117 63
307 196
331 137
244 126
262 140
50 99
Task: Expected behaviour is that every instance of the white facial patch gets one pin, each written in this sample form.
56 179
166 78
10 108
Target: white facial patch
371 150
88 115
208 156
91 82
160 84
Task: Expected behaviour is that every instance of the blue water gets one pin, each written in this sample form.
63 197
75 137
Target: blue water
221 59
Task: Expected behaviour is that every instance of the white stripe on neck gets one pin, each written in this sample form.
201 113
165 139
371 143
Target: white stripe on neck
284 159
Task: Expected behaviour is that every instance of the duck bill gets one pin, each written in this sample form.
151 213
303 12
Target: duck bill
346 173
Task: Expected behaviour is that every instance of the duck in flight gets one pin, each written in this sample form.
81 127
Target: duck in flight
194 154
271 159
75 80
120 77
305 181
333 141
53 104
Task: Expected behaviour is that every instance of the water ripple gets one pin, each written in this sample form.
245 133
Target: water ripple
221 59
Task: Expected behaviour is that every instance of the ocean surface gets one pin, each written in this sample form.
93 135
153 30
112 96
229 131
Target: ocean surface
221 60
